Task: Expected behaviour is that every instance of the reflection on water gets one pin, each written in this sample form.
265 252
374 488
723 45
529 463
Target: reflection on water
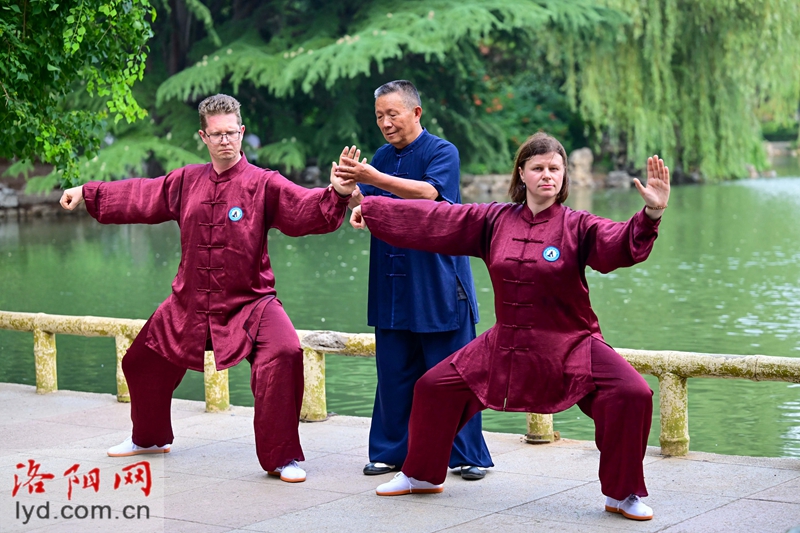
723 278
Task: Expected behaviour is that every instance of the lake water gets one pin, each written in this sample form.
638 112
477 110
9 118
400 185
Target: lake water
724 277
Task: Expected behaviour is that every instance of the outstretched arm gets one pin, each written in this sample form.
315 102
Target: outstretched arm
437 227
297 211
131 201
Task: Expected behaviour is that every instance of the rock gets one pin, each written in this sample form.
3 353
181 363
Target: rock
580 168
49 198
752 173
9 213
618 179
777 149
323 341
678 177
8 197
485 187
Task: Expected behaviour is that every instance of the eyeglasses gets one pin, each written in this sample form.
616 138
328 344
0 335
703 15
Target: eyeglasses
216 138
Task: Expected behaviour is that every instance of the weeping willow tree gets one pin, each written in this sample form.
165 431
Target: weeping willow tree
687 79
683 79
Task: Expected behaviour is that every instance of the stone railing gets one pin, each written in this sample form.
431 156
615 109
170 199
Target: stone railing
671 368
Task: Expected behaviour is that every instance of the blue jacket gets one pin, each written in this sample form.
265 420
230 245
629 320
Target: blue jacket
409 289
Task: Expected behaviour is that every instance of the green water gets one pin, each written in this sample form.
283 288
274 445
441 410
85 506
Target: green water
723 278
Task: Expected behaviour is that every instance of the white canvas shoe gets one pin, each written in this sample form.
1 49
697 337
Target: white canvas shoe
290 473
632 507
402 484
128 448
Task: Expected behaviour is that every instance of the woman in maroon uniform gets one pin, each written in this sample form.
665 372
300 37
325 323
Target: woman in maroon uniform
545 353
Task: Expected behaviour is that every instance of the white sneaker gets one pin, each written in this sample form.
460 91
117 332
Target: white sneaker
128 448
402 484
632 507
290 473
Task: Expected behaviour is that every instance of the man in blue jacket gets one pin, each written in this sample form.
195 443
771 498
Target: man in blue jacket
422 305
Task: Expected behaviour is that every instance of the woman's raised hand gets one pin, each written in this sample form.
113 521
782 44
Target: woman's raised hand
656 193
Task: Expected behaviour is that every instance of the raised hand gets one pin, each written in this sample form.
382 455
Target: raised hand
349 153
342 186
656 193
350 167
72 198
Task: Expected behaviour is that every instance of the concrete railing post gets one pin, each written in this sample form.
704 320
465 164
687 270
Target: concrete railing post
540 429
315 407
123 343
218 396
44 354
674 405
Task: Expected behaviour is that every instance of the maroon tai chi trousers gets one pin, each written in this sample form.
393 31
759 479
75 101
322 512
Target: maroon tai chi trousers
621 407
276 365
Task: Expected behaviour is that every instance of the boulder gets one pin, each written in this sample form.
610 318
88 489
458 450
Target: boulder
485 187
8 197
618 179
580 168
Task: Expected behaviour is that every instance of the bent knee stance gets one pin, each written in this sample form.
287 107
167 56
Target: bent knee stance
635 392
285 357
428 387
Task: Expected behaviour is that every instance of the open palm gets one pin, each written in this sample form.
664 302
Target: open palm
656 192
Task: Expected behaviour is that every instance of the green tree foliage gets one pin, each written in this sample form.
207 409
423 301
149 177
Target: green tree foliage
306 78
683 78
50 48
305 72
688 79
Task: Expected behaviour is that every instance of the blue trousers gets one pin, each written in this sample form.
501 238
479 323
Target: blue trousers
402 357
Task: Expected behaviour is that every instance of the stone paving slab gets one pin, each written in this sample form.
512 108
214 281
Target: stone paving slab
212 483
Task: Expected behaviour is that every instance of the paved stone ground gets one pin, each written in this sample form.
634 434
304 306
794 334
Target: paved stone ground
211 482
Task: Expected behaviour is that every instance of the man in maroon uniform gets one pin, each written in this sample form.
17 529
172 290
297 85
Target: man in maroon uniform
223 296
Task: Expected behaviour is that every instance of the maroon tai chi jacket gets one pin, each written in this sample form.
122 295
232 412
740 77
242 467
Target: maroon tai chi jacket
536 358
224 279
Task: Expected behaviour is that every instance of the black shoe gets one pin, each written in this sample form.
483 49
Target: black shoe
375 469
472 472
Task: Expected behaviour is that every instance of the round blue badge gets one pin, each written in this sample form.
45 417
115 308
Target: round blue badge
551 253
235 214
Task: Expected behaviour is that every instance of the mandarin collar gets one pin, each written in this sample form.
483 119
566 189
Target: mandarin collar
543 216
413 144
230 173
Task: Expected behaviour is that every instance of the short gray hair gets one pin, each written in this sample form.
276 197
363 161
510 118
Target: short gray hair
219 104
406 89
